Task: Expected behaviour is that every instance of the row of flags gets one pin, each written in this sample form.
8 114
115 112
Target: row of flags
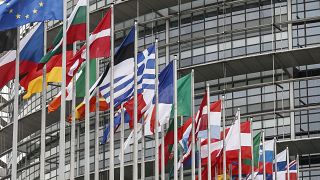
243 153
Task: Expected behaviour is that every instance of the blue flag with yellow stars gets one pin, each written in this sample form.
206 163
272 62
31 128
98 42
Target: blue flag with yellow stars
15 13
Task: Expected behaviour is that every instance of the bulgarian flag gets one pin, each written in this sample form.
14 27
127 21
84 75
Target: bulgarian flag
76 31
99 47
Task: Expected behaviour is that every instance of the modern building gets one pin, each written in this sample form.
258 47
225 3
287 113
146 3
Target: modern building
263 55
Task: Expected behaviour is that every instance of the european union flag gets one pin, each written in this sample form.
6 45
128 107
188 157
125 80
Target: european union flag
15 13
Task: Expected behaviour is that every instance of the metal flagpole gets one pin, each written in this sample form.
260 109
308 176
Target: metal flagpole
97 129
240 153
16 110
43 109
263 156
275 158
163 173
193 145
135 109
121 144
163 170
156 136
252 158
288 162
224 139
298 163
181 155
62 133
143 174
111 151
209 132
199 160
175 129
73 123
87 100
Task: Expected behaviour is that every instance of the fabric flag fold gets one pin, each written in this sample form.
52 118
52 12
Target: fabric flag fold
100 37
214 122
281 165
123 56
80 83
269 150
15 13
146 80
29 56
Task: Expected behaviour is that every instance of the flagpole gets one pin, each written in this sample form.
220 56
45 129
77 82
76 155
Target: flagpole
97 127
240 153
62 132
111 151
288 162
175 132
224 139
163 170
143 174
156 158
199 160
15 110
275 158
135 111
193 145
43 109
252 158
121 144
181 155
298 164
73 122
263 156
87 100
209 132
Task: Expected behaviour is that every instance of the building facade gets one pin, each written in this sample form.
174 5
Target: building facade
263 55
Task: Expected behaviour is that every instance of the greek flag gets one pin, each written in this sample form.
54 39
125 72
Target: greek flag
124 77
124 83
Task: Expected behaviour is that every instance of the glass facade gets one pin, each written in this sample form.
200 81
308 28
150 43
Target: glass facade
284 102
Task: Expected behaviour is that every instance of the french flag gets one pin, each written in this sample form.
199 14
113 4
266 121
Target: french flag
31 52
165 103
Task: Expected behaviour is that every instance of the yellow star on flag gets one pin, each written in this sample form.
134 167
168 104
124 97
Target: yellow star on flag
18 16
41 4
10 11
35 11
27 16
